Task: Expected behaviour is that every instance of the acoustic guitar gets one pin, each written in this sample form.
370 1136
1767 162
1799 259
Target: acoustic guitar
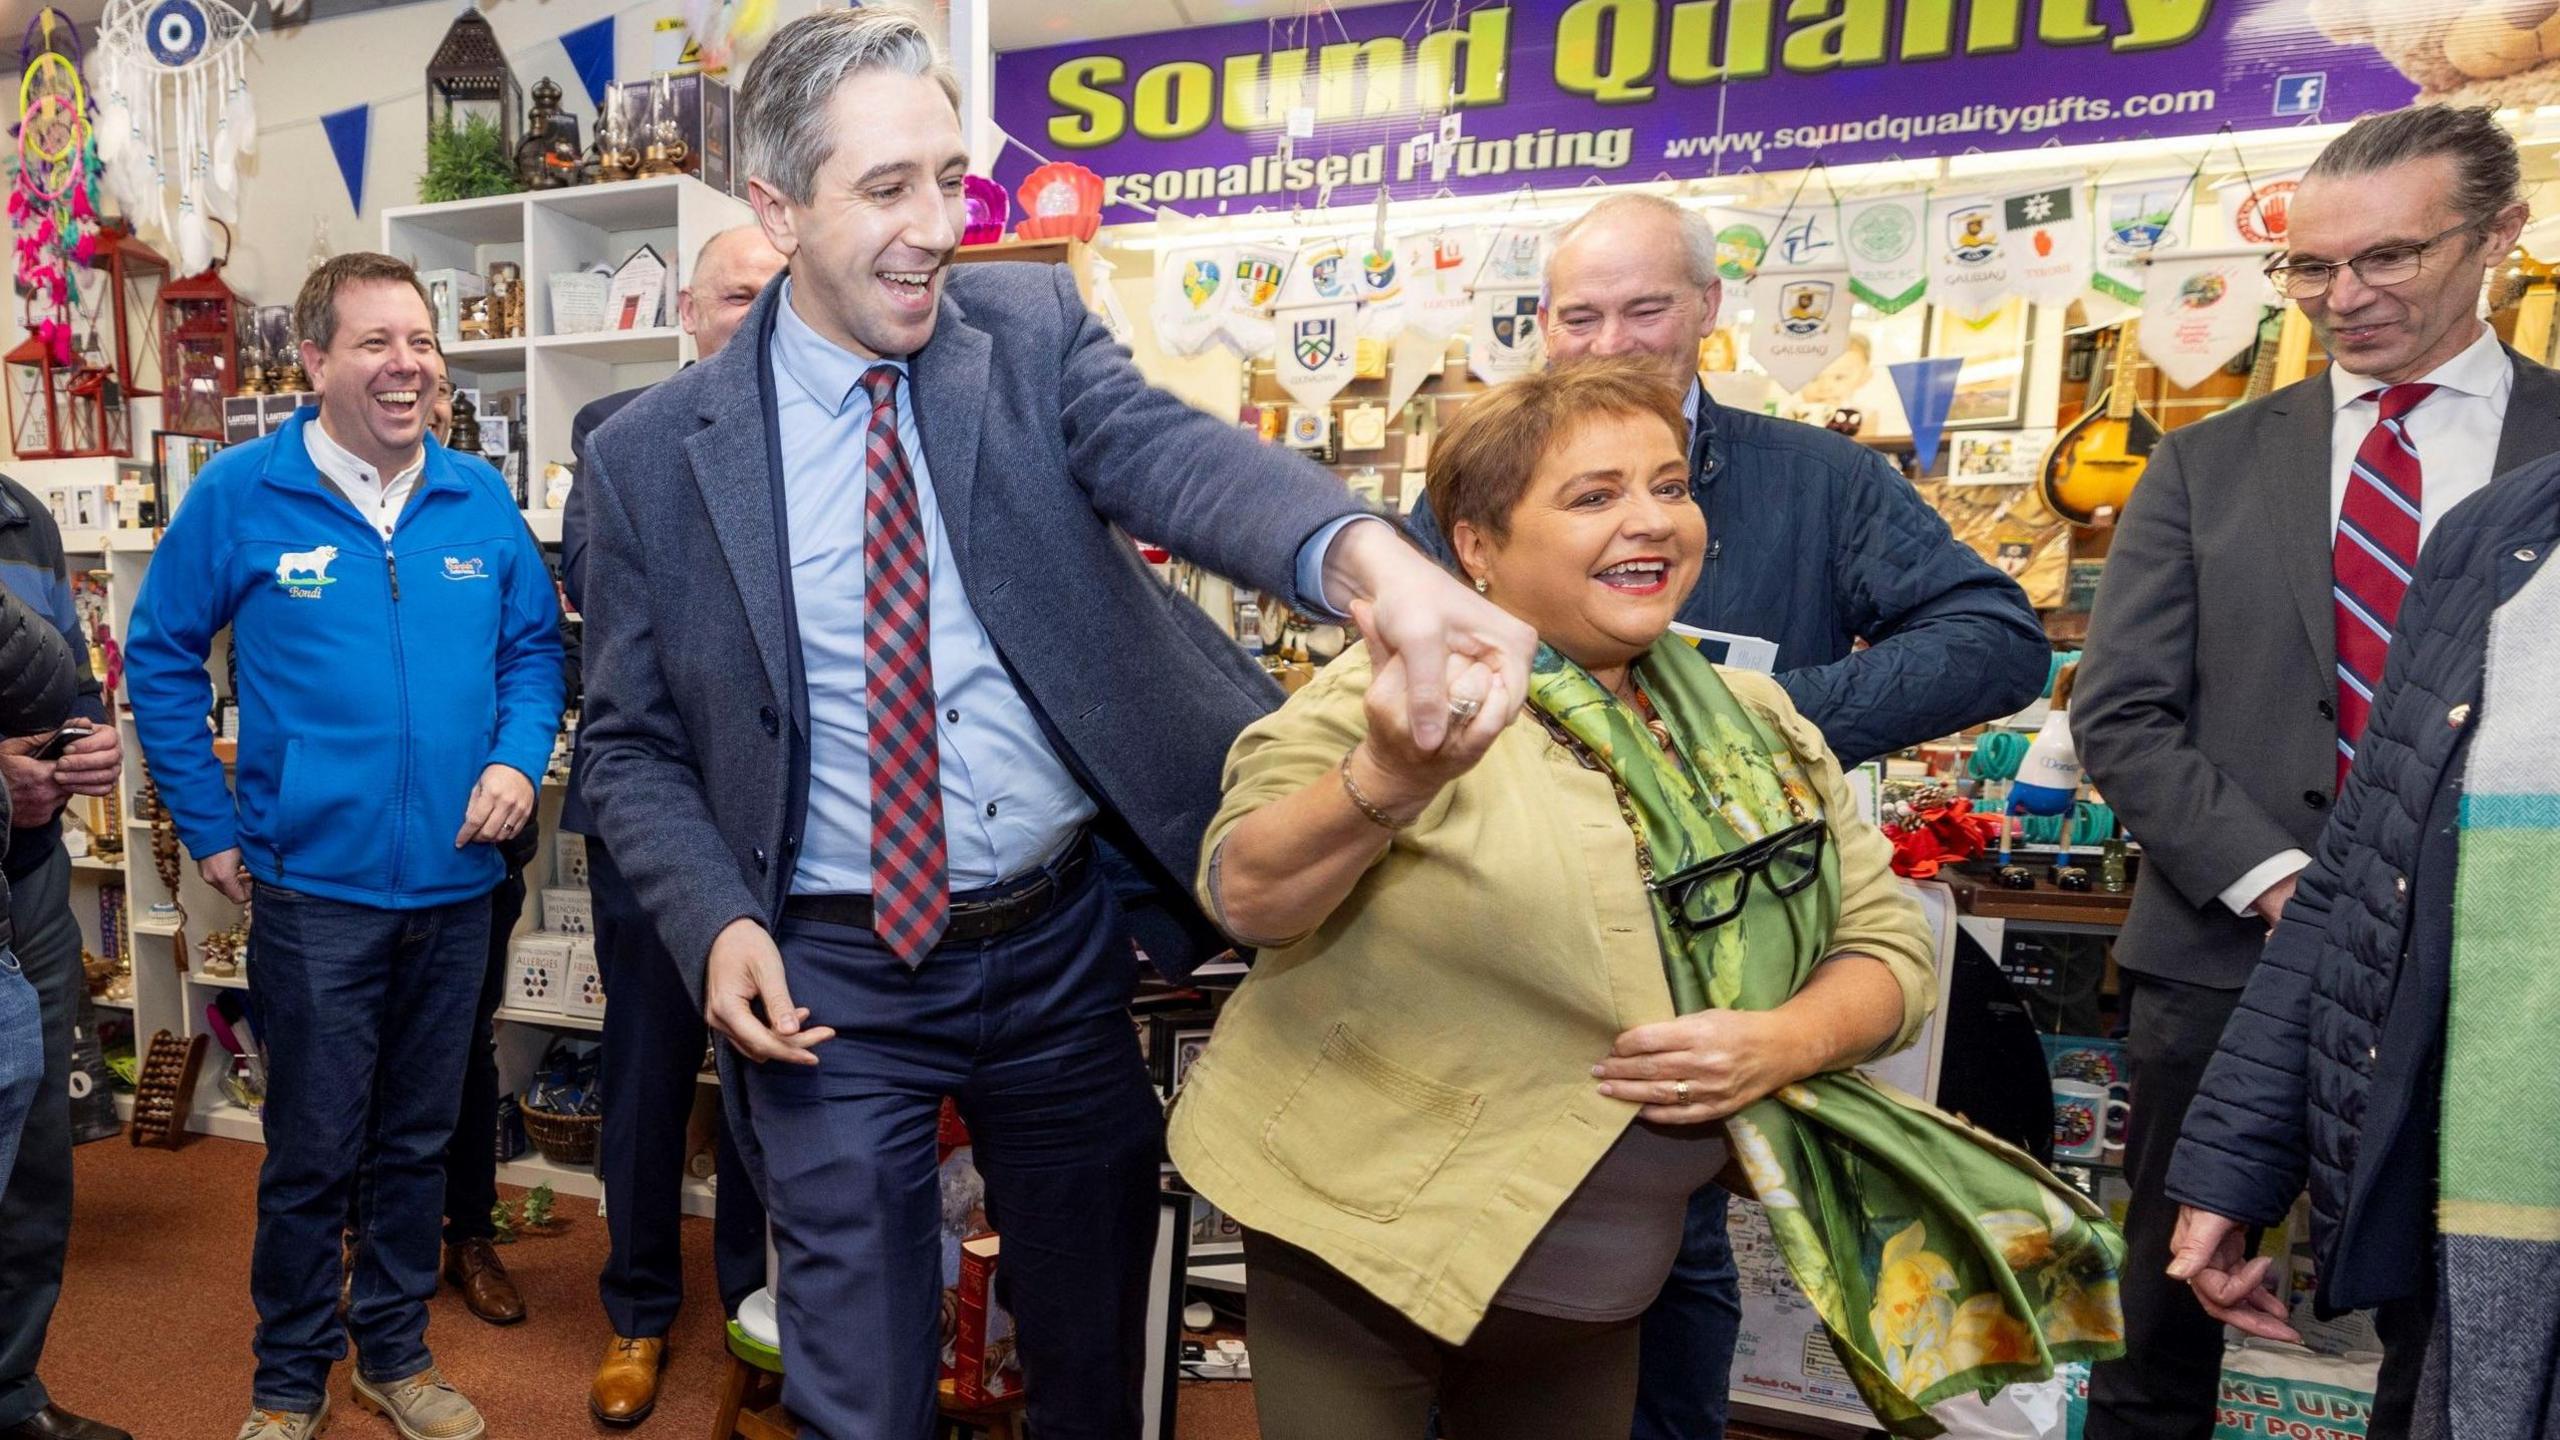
2092 465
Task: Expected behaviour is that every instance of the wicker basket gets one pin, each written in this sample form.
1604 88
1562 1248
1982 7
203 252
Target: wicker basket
562 1139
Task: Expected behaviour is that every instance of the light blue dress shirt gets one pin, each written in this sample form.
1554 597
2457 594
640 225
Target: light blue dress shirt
1008 801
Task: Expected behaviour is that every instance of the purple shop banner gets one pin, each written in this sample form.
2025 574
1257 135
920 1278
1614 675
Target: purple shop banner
1482 99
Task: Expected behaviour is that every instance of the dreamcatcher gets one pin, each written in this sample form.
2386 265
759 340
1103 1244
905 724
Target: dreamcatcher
52 207
174 111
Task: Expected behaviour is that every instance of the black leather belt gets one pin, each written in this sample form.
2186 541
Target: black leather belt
999 909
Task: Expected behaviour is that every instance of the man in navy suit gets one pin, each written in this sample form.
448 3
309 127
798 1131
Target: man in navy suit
863 618
653 1032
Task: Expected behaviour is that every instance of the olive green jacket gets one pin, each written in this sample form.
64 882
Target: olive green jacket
1407 1091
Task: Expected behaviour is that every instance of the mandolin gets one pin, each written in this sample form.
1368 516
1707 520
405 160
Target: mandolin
2092 465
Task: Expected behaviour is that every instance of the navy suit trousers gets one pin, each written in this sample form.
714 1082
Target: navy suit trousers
653 1039
1030 1033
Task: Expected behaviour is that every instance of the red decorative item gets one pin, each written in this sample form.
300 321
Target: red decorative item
989 209
1939 834
1060 201
199 328
63 411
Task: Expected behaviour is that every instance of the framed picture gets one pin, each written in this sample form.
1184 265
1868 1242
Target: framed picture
1167 1272
1187 1045
1991 389
176 459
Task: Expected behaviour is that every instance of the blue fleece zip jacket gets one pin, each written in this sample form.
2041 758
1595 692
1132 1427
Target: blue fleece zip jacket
376 679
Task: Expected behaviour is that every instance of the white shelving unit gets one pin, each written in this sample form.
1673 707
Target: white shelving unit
546 232
543 232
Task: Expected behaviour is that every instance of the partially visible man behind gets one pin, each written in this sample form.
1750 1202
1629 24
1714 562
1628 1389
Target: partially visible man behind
2411 983
35 1214
653 1032
2240 637
1815 544
397 638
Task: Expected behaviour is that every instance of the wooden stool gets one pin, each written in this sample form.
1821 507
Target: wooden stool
751 1393
751 1400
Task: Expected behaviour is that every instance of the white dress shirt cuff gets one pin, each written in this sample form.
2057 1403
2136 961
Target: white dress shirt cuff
2269 872
1311 558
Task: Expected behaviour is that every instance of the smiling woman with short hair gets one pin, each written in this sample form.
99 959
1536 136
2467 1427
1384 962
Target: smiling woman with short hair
1522 994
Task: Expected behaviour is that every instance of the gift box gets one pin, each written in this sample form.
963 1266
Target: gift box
569 857
537 973
583 992
567 910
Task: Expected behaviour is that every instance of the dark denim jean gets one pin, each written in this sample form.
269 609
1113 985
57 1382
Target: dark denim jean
366 1017
1685 1385
21 1058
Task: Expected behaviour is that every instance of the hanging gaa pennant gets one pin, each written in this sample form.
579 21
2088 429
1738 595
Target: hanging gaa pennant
2200 309
1191 298
1743 238
1967 276
2137 220
1437 265
1800 323
1516 256
2045 242
1806 237
1260 271
1888 267
1508 341
1321 275
2255 211
1317 350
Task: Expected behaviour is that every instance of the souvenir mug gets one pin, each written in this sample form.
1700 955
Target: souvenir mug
2082 1116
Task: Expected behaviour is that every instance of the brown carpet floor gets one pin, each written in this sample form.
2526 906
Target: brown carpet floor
152 1333
153 1330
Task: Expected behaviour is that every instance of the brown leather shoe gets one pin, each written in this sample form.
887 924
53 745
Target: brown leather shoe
474 1268
626 1387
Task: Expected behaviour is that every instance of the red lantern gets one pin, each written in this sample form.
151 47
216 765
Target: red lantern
63 412
199 328
133 274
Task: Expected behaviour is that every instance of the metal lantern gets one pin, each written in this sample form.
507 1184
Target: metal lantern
133 274
63 412
469 77
199 327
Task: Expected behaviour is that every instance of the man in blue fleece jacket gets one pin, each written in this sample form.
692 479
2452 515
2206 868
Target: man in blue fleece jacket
399 688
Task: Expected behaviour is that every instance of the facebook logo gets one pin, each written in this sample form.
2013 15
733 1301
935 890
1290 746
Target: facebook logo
2301 94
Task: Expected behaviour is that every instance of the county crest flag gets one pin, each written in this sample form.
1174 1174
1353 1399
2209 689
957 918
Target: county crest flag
1316 349
2045 238
1800 323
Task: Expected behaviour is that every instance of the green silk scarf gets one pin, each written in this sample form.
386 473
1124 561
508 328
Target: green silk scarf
1942 1261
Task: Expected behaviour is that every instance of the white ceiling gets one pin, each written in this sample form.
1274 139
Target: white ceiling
1030 24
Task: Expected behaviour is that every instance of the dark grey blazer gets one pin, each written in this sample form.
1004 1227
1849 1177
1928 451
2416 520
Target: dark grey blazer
1042 438
2206 708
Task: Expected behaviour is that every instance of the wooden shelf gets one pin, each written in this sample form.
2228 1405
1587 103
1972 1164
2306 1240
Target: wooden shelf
218 982
545 525
92 862
550 1020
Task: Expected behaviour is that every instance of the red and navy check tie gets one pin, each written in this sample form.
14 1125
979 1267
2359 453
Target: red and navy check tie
910 895
2376 553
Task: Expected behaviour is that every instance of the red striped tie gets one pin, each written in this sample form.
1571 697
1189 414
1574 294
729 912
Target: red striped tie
2376 553
910 893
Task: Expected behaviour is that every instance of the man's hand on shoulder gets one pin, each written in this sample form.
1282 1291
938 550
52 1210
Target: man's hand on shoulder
1441 628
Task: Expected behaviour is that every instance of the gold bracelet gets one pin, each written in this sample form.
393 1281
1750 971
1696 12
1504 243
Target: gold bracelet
1366 806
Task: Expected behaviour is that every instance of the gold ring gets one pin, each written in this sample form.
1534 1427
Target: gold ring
1680 1092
